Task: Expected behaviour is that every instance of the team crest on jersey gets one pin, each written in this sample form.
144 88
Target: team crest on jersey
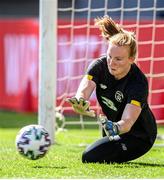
119 96
103 86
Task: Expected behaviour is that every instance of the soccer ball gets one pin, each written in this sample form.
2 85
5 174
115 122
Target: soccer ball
33 142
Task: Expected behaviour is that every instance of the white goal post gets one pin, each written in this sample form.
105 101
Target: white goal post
47 65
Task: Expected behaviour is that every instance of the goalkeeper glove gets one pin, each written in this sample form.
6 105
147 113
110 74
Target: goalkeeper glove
110 128
81 106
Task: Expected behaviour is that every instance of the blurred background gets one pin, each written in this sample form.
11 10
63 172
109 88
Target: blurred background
30 8
79 43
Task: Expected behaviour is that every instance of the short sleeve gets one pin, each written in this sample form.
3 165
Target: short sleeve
137 94
93 71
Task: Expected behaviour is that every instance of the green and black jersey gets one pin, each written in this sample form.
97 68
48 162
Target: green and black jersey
113 95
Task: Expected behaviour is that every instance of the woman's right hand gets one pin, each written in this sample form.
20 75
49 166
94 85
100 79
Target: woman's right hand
81 106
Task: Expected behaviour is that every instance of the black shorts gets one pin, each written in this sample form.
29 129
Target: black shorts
125 149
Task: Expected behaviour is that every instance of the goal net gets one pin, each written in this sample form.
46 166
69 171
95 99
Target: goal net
79 43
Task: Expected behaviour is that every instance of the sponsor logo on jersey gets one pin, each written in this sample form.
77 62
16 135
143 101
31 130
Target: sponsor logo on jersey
109 103
103 86
119 96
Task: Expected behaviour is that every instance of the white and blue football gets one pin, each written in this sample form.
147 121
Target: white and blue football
33 142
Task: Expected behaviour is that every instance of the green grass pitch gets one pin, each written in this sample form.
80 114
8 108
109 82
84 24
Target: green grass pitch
64 158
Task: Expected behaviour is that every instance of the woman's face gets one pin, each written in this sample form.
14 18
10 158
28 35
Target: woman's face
118 60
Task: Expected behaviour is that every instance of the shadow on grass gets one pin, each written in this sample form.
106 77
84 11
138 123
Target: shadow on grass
50 167
138 164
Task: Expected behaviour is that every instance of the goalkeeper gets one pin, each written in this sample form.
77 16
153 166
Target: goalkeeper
129 128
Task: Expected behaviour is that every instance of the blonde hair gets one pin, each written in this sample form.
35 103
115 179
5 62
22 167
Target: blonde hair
117 35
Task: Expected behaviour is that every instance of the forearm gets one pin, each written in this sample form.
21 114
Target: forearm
123 126
113 129
85 89
129 117
82 94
